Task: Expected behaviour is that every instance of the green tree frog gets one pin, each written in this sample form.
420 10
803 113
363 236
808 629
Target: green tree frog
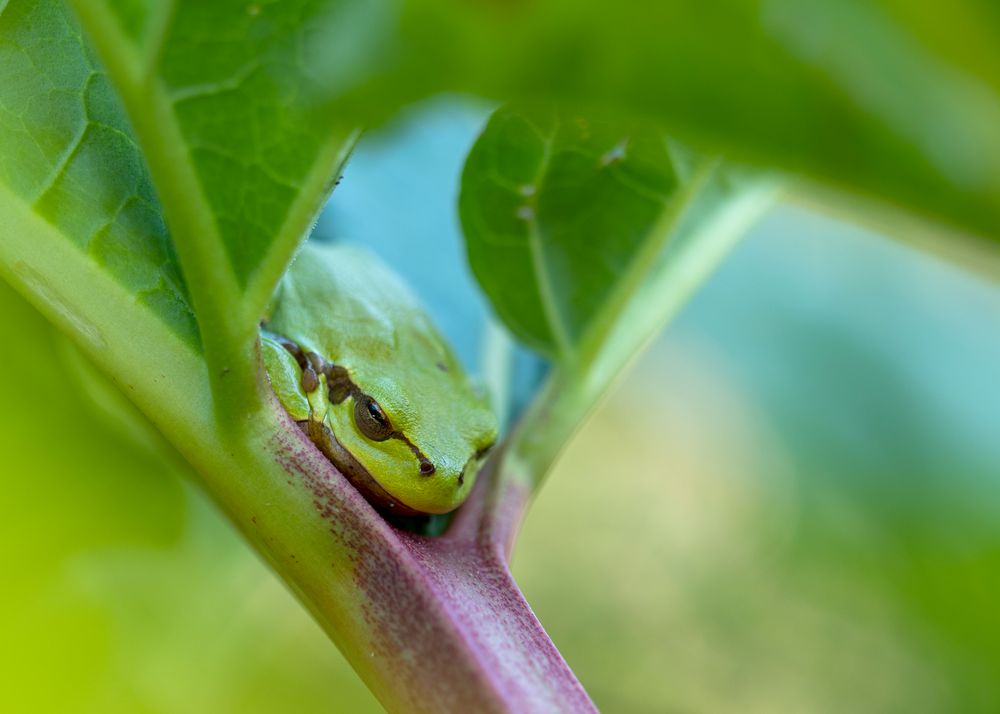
358 364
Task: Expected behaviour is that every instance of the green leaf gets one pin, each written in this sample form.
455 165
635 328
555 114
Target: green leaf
896 100
222 96
68 156
587 234
555 208
563 213
240 96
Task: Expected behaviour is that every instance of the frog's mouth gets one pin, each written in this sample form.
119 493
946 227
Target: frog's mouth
323 437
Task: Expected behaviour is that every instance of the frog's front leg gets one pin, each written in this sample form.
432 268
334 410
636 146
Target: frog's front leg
286 377
310 364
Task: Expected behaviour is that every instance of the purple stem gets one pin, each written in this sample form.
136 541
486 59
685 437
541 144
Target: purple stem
444 627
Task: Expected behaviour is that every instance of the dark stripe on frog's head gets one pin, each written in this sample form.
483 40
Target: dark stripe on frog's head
340 387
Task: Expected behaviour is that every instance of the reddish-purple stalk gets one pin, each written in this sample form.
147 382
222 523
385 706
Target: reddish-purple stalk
443 617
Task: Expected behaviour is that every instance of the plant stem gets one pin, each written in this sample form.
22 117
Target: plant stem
429 624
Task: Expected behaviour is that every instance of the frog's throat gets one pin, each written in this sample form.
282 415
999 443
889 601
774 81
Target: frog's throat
325 440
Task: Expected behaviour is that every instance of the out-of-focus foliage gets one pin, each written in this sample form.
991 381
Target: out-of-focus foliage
793 502
124 591
824 532
891 98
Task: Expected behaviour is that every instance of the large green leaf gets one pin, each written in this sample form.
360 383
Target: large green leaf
893 99
68 156
223 99
238 90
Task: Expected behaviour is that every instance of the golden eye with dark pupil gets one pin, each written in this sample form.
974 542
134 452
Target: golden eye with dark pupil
370 418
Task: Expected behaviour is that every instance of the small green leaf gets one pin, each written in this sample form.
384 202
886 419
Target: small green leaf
587 234
563 212
555 208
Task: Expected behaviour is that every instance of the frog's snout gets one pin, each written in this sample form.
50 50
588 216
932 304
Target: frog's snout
457 475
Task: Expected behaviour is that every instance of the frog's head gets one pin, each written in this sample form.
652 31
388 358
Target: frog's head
417 436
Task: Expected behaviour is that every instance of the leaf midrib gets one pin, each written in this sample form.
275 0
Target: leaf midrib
540 267
658 235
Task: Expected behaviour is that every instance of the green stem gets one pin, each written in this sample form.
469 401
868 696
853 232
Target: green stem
228 335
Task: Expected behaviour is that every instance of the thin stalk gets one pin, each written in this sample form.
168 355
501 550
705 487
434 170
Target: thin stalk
227 335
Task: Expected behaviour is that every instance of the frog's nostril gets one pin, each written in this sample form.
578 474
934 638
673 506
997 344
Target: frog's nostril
426 468
470 464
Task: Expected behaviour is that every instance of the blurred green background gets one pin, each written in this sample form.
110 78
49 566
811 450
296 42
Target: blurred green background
791 503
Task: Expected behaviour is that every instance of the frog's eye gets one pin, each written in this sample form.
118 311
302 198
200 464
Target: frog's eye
370 418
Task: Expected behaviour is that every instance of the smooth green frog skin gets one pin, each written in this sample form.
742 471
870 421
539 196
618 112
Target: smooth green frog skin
358 364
